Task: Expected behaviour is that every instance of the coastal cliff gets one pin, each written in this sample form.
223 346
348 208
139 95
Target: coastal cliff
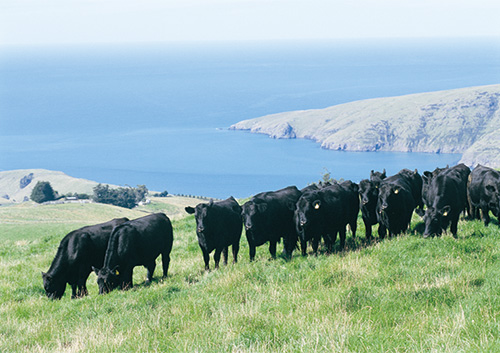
465 121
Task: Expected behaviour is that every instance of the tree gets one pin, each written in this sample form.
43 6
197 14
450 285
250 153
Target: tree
43 192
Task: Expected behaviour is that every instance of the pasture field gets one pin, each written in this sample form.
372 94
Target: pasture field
404 294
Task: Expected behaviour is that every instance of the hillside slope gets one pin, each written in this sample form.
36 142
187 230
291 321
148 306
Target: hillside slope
455 121
17 185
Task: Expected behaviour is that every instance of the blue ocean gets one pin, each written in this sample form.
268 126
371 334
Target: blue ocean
157 114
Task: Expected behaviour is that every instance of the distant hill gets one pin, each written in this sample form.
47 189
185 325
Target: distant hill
463 121
16 185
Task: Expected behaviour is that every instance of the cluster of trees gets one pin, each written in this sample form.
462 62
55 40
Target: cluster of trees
43 192
127 197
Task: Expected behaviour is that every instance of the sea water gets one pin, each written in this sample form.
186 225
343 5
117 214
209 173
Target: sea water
157 114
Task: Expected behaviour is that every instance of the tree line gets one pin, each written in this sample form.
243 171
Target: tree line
127 197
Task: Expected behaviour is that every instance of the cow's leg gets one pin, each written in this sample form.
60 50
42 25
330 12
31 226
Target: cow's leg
225 253
82 287
342 237
235 248
74 295
354 227
381 231
217 257
315 245
368 229
333 239
272 248
206 258
328 243
303 247
486 215
165 261
83 290
127 279
252 251
454 226
151 269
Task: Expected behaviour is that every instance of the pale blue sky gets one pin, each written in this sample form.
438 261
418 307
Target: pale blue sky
90 21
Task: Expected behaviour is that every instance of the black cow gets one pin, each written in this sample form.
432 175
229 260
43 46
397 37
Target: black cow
218 225
426 182
78 251
134 243
368 194
398 196
484 192
268 216
447 195
325 213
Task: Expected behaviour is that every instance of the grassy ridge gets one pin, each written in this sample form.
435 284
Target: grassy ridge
401 294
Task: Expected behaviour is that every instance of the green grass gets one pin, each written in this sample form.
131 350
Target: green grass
405 294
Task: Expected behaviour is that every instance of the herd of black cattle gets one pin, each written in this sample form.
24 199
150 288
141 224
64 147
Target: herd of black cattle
114 248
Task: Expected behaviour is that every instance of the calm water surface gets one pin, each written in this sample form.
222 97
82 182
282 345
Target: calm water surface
158 114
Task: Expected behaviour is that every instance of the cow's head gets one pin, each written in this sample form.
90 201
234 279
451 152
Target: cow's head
492 194
436 220
388 197
307 210
368 192
202 214
253 214
377 177
107 279
54 288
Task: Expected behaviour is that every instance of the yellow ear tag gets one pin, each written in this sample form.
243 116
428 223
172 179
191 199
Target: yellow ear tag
117 273
396 191
445 214
316 207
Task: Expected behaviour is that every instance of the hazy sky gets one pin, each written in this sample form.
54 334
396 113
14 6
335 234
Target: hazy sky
87 21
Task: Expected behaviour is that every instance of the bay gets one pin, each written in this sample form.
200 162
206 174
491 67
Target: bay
157 114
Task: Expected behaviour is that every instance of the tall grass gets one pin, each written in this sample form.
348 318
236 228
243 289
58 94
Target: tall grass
405 294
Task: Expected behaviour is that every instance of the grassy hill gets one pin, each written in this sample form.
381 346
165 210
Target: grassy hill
455 121
405 294
17 185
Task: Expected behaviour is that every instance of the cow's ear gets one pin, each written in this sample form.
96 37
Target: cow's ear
396 191
96 270
115 270
384 175
427 175
211 203
262 207
189 209
46 276
317 204
446 210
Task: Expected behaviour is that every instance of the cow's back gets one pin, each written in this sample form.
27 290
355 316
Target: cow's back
143 238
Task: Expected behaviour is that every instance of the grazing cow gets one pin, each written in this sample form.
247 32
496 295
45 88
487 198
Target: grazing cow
77 253
218 225
368 194
268 216
398 196
484 192
447 195
134 243
326 212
